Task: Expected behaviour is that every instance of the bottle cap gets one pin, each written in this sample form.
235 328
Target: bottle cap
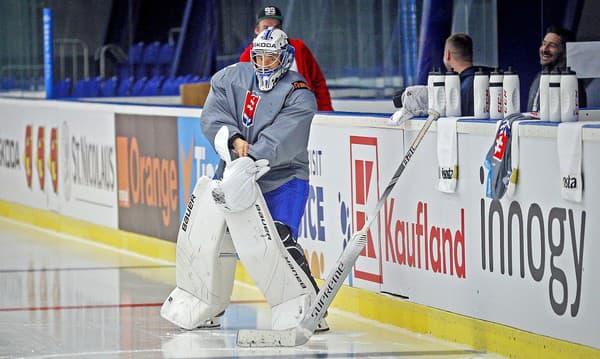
451 72
510 71
497 71
480 72
556 71
436 71
568 71
545 70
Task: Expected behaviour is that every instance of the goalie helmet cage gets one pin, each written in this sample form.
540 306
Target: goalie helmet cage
335 279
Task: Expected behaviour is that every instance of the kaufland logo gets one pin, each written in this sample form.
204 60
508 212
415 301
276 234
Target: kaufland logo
364 164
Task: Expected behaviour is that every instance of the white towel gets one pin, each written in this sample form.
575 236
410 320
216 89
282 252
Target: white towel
570 148
447 154
514 159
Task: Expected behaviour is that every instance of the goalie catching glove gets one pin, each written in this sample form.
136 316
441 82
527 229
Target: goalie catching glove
237 190
414 103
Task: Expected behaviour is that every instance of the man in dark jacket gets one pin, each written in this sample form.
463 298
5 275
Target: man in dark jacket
553 55
458 55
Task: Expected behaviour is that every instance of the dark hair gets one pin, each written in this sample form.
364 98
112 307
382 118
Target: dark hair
461 45
565 35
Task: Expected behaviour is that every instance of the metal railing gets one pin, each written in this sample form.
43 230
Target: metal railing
74 44
101 53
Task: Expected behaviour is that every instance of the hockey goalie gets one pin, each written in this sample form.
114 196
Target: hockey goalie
257 116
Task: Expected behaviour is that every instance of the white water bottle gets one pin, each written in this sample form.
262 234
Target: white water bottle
496 101
435 92
481 95
452 93
543 109
510 92
569 99
554 96
430 78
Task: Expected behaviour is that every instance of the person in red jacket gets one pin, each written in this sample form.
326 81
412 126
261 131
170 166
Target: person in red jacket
304 61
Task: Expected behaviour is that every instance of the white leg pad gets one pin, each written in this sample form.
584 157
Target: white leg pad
284 284
205 263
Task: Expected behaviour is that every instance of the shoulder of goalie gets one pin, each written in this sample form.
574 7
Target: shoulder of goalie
284 284
205 264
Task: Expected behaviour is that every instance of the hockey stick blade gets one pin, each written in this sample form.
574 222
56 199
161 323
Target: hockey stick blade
335 279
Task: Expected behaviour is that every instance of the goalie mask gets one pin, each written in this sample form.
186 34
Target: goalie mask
271 56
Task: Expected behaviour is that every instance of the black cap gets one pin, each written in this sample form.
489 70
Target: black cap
269 12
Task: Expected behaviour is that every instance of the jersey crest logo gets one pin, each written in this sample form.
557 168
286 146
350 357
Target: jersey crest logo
300 85
250 104
502 138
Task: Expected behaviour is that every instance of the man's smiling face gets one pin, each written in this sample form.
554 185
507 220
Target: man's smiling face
552 51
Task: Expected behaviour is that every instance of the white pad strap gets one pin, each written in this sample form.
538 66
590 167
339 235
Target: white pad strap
205 262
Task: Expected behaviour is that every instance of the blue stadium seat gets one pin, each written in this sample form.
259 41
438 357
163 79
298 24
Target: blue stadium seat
123 69
63 88
8 83
93 89
138 86
124 88
87 87
136 52
194 79
170 87
153 86
79 90
109 87
150 58
165 59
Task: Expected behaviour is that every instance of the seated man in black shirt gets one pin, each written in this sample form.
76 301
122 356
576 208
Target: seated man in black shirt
553 55
458 55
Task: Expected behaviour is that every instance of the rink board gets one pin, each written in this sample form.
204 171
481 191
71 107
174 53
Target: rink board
525 262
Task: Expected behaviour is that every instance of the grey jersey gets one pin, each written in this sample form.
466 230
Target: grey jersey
276 123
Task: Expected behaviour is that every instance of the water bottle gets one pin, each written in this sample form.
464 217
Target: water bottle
430 78
510 92
452 93
436 92
569 99
543 109
481 95
554 96
496 100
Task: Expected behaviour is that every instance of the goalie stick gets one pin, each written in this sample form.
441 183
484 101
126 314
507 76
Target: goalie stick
335 279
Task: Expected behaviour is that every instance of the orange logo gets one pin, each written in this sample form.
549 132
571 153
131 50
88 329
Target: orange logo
39 162
186 167
28 155
53 160
316 262
144 180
